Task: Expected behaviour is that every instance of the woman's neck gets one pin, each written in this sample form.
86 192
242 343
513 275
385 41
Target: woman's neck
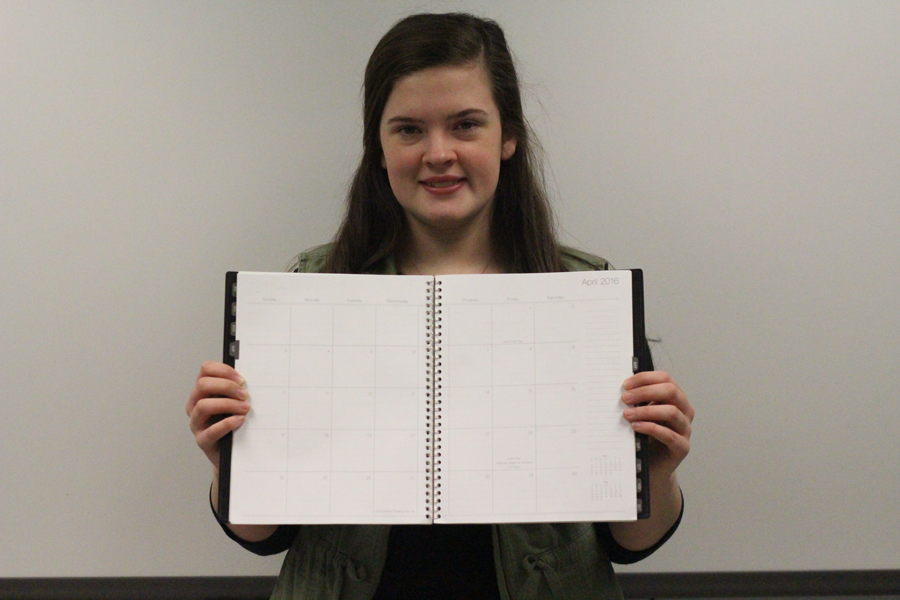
448 255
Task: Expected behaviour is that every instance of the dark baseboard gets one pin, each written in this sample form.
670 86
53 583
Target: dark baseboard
761 584
810 584
137 588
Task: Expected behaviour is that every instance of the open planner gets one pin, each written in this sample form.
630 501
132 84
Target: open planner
418 399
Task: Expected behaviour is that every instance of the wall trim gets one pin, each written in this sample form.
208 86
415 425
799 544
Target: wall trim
759 584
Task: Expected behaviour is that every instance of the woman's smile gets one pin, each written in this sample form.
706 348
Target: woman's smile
443 184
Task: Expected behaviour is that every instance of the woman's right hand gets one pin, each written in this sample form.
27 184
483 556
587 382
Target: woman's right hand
216 406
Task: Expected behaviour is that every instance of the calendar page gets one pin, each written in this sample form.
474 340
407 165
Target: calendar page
531 422
336 371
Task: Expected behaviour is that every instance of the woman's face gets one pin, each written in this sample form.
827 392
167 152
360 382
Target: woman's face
443 142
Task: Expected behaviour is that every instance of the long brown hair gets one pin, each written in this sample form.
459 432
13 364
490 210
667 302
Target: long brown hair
522 228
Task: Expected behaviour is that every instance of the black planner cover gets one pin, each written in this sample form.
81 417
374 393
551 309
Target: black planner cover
228 355
642 362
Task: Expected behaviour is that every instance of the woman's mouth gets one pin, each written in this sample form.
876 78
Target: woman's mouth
442 184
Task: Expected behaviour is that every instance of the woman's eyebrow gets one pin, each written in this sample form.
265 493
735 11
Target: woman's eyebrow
402 119
460 115
468 113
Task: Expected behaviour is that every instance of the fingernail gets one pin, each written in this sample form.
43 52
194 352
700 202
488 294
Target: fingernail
627 397
242 394
629 413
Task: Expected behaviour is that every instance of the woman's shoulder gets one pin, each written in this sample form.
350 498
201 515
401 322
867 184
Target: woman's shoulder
309 261
576 260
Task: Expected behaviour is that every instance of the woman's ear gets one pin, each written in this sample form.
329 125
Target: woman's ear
508 148
383 162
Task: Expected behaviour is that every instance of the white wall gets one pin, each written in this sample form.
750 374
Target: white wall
746 154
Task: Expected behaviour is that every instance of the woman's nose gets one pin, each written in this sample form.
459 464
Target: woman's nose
440 151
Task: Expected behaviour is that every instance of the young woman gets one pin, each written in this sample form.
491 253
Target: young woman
447 184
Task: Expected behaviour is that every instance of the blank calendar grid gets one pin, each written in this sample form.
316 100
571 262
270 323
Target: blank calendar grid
333 437
517 409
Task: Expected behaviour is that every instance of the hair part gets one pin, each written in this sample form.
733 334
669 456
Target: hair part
522 227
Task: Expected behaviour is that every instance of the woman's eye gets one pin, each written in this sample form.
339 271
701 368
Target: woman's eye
467 125
408 130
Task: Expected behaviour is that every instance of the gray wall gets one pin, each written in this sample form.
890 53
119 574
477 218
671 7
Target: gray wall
746 154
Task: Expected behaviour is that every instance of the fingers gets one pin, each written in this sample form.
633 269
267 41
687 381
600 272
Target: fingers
208 438
216 379
216 406
213 418
656 387
658 407
217 369
677 446
209 410
668 427
664 415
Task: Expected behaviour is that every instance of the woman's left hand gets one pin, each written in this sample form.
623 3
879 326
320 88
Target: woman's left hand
666 417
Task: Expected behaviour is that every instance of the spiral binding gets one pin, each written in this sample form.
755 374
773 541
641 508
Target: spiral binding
433 381
429 391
